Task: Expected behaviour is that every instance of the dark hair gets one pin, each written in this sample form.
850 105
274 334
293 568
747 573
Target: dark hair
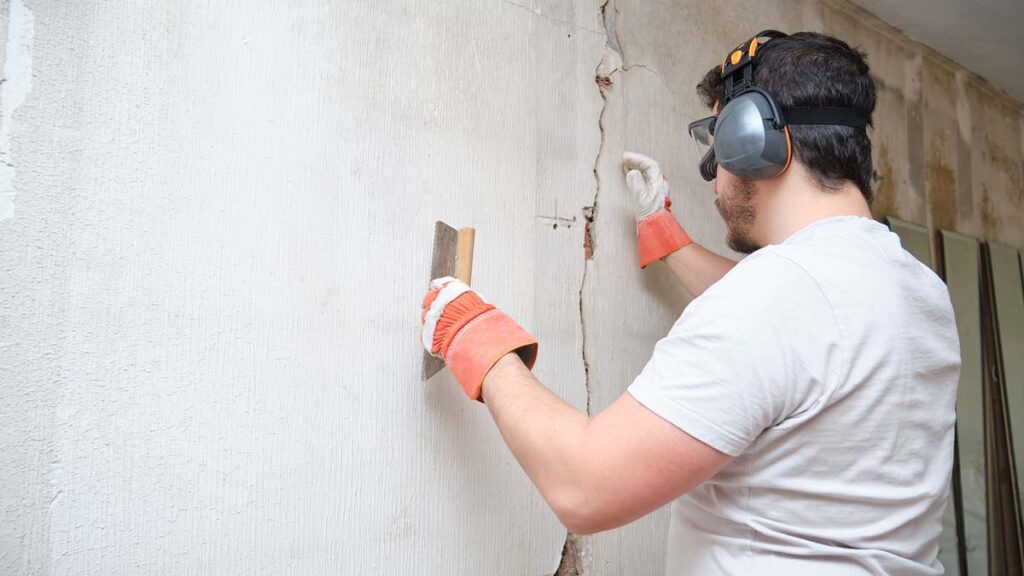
812 69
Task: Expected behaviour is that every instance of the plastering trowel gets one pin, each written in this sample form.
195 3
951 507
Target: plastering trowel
453 256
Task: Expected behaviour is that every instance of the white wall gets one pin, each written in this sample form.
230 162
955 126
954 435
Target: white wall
216 236
211 279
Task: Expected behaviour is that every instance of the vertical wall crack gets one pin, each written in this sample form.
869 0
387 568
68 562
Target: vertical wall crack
573 553
610 62
570 564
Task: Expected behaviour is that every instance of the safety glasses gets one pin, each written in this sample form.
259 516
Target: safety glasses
703 134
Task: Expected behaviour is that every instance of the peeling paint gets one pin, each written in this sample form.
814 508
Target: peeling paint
16 85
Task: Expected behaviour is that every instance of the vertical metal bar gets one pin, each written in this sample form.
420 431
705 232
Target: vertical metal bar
962 270
1008 316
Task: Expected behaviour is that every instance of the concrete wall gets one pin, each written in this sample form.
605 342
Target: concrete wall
215 224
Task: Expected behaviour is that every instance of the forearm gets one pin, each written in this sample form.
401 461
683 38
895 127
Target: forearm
596 474
697 268
545 434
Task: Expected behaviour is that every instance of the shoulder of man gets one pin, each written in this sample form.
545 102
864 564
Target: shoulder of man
756 347
772 279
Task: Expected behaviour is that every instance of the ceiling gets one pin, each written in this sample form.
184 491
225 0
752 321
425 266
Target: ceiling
982 35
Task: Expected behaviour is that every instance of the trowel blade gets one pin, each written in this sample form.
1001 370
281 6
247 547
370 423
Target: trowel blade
442 263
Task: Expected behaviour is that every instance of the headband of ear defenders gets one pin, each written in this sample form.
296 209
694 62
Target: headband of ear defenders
827 115
750 134
738 77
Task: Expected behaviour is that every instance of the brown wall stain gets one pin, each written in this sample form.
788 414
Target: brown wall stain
942 77
885 201
941 191
990 220
1009 166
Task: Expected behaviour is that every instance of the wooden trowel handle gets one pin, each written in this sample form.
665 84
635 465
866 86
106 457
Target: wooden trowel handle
464 254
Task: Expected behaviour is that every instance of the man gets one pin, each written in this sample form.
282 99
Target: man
800 413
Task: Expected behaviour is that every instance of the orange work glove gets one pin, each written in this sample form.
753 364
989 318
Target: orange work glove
657 232
470 334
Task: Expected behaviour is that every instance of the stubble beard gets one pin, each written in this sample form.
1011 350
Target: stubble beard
739 214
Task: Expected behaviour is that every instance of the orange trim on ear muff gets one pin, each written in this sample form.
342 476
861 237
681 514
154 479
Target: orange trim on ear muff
789 152
753 48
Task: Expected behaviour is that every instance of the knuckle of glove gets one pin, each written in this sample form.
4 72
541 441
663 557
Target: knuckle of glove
443 291
452 307
661 188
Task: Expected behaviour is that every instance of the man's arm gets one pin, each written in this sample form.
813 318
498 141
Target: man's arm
595 474
697 268
659 235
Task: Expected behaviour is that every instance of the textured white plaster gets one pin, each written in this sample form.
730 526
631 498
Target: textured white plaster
17 83
251 237
209 356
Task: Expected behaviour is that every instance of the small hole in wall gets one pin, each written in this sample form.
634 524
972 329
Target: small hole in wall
554 226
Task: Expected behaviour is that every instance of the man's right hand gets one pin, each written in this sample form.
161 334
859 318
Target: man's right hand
658 234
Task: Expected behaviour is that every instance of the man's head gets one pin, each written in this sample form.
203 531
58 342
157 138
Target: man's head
805 69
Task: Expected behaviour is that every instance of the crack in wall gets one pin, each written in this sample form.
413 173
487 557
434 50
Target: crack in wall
628 67
571 563
611 31
574 551
537 12
610 63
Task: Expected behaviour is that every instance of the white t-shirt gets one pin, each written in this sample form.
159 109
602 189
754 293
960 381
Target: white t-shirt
828 366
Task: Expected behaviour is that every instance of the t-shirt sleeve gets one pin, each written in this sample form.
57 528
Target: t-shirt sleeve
758 347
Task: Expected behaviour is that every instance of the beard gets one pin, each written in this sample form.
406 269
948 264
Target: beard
737 209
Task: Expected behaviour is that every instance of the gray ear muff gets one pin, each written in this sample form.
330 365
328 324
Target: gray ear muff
750 138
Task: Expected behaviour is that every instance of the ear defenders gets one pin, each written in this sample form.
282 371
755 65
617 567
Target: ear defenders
750 136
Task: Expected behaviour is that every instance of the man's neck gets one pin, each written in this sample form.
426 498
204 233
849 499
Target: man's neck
797 202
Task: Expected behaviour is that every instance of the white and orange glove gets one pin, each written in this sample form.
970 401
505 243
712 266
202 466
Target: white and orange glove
470 334
658 234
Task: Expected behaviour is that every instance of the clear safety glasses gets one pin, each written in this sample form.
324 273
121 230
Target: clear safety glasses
703 134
